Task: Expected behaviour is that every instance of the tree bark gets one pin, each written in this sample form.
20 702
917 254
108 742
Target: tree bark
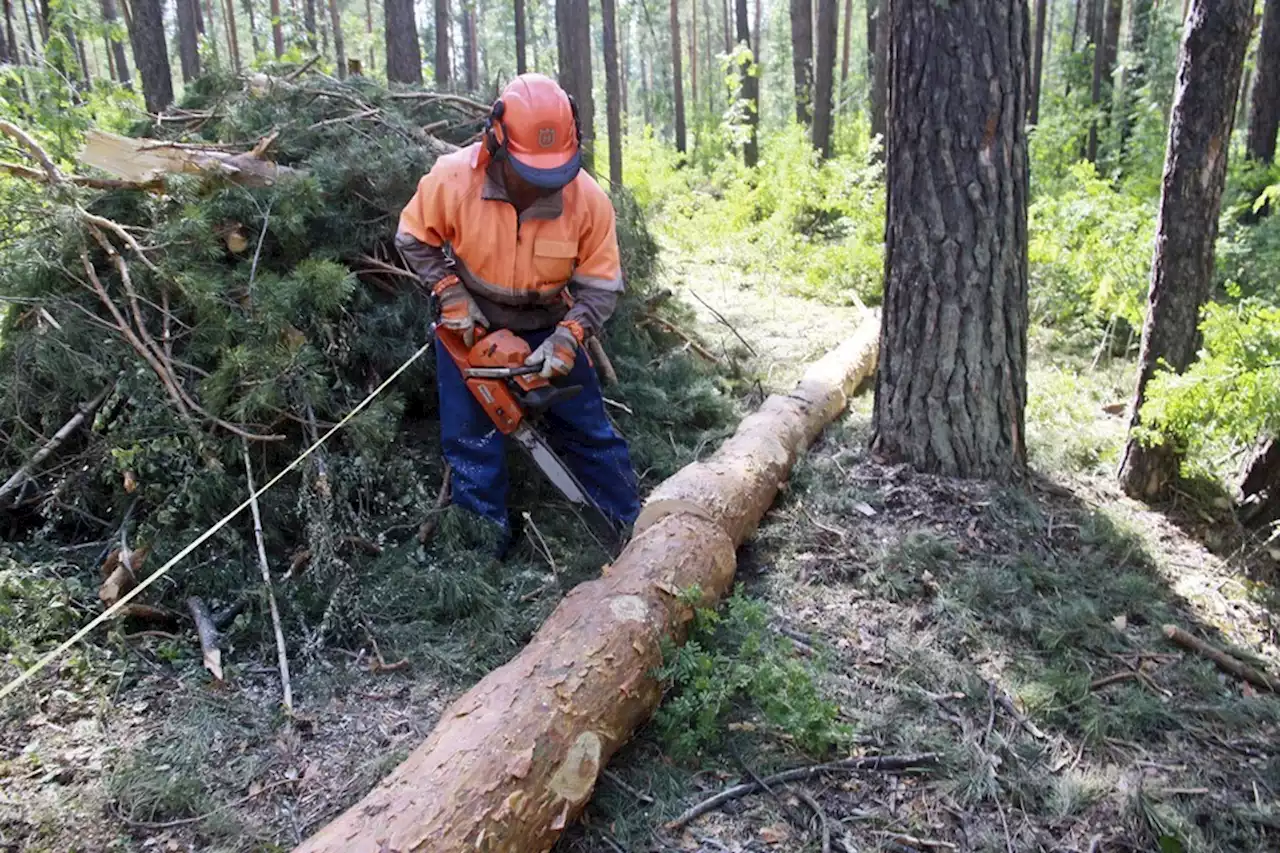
612 90
404 61
1210 63
444 65
880 73
848 41
522 64
693 52
339 43
824 77
6 37
952 388
471 55
573 31
749 88
1096 30
31 39
514 760
277 29
151 55
728 27
117 47
1264 106
1259 503
1037 62
677 77
309 22
255 40
233 34
188 40
802 58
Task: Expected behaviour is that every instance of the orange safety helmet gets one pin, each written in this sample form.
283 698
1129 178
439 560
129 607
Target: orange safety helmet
535 125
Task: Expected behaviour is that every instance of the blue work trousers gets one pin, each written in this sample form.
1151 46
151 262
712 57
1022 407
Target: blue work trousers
577 429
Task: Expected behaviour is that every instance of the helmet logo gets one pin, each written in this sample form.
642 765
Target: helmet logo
546 137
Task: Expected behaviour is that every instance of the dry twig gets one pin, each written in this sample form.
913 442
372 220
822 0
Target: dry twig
812 803
672 328
281 652
726 323
432 521
1226 662
37 151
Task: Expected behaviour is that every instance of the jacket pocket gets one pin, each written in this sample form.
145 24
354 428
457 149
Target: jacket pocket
553 260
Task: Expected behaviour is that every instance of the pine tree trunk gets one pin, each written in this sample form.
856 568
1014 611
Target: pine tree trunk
757 46
6 36
727 17
1037 61
1264 106
952 386
880 72
612 93
15 47
573 30
471 64
846 51
693 53
277 29
749 90
444 65
254 38
117 48
233 35
1210 63
339 43
34 52
1099 62
151 55
624 70
1111 38
368 29
309 21
677 76
802 58
824 77
188 40
522 65
404 62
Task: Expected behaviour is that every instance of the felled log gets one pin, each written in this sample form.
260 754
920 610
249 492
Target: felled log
514 760
147 160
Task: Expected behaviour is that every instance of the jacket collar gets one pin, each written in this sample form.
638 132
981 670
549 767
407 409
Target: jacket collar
495 189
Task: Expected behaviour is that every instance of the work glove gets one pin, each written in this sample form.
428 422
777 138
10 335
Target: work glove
557 353
458 311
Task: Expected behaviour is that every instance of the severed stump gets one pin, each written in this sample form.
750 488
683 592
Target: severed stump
514 760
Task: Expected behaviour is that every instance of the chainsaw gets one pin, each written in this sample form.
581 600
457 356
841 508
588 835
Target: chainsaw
514 396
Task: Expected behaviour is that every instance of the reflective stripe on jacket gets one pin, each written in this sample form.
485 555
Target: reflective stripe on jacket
509 262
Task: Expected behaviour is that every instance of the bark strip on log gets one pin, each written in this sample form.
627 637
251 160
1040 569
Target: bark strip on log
514 760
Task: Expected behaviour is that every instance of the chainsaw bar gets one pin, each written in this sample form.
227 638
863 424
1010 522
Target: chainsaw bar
600 525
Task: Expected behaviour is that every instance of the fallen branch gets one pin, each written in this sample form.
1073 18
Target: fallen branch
603 364
281 652
148 613
37 151
726 323
442 97
432 521
812 803
682 335
879 763
1114 678
208 634
1226 662
23 474
29 174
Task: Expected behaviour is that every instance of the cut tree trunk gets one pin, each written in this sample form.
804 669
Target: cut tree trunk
573 30
677 77
1037 62
802 58
1210 63
150 54
404 61
513 761
612 90
952 388
188 40
522 64
1264 107
824 77
749 89
444 66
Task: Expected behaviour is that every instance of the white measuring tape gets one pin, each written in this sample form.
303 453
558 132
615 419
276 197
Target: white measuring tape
26 676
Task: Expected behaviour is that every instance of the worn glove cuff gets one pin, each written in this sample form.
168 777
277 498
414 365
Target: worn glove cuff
574 328
447 283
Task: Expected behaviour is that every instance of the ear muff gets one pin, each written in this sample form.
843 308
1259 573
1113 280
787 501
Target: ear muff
495 133
577 119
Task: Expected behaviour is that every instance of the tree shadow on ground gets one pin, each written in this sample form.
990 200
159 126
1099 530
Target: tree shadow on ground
1018 633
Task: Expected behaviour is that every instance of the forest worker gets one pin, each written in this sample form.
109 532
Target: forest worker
510 233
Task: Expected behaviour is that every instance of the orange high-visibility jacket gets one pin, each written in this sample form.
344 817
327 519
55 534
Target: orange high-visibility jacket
517 268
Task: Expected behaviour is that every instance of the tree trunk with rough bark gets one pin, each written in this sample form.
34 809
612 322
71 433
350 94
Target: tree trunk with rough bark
255 40
824 77
573 31
1264 106
6 36
339 42
188 40
1259 499
277 29
612 90
309 22
444 63
693 53
728 27
677 77
847 48
404 61
802 58
952 386
117 47
514 760
1210 63
470 50
233 35
151 54
880 72
522 64
1037 62
749 89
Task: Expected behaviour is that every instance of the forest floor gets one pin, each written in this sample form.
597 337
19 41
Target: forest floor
963 619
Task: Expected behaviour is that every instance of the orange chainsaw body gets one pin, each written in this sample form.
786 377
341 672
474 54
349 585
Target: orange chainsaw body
498 350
